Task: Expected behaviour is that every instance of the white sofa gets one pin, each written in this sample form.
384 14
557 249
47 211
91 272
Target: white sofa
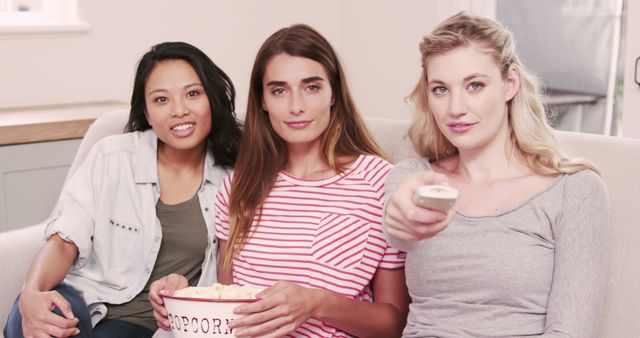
618 159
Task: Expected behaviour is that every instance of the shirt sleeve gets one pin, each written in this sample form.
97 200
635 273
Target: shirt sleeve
401 170
579 278
222 209
377 172
73 218
393 258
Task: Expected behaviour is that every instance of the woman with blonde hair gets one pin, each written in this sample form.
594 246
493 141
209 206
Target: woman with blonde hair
523 251
302 213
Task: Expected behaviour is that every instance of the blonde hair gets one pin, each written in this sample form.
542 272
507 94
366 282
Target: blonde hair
530 133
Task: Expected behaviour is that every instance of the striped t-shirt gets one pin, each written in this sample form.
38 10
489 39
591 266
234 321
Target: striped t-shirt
324 234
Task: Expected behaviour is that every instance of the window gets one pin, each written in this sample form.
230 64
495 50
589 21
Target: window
40 16
574 47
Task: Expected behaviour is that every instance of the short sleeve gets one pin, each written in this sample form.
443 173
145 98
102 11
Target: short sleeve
392 258
222 209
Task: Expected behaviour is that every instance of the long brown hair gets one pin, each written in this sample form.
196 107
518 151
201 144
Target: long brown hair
263 153
531 136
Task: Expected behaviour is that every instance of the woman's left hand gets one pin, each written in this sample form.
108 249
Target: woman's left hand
280 310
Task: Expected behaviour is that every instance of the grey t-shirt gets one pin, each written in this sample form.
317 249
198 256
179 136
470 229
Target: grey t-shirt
538 269
184 240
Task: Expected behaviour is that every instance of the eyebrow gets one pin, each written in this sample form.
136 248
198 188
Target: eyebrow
469 77
195 84
305 80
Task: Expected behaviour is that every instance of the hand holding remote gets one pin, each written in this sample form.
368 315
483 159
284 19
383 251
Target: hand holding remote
437 197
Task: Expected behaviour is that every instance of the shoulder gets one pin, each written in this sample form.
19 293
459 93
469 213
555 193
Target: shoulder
585 182
371 166
367 162
411 165
118 143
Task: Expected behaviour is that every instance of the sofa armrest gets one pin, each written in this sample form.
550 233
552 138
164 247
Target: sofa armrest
17 250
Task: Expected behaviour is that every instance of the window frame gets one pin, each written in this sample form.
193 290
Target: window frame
57 16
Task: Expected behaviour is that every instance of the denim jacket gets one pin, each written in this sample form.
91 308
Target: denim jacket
108 210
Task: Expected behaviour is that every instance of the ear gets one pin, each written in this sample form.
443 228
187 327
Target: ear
264 106
512 83
333 100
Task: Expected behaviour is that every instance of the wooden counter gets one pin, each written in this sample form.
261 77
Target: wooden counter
50 123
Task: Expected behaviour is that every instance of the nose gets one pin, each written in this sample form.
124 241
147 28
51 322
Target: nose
457 103
297 103
179 108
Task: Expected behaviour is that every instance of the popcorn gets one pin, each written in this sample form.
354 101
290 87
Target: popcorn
218 291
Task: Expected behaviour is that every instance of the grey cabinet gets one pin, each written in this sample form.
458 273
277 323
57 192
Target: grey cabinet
31 176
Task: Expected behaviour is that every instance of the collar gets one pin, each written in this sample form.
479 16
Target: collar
146 167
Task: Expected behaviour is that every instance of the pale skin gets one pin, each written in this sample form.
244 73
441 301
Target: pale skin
174 96
297 90
469 99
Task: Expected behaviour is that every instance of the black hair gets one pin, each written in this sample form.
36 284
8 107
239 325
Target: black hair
225 134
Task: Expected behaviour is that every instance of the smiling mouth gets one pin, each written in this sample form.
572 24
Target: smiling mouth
183 127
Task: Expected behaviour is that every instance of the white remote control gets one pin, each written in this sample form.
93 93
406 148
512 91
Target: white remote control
437 197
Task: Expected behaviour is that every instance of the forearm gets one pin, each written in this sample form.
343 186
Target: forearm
51 265
359 318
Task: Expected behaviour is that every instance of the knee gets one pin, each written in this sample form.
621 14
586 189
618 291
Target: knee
13 327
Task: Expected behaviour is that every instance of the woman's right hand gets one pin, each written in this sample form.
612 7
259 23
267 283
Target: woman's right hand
38 320
405 220
166 285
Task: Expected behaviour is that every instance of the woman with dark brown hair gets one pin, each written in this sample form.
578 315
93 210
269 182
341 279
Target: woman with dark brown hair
301 215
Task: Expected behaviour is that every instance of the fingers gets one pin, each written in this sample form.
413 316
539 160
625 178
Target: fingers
160 314
55 331
270 327
255 307
408 221
63 305
175 282
161 319
38 320
165 285
154 291
54 319
284 307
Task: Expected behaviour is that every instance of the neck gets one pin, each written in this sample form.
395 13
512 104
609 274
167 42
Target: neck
307 162
494 161
180 160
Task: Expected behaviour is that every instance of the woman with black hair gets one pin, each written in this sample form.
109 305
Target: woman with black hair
138 207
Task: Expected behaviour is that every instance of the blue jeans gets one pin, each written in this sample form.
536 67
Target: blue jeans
104 329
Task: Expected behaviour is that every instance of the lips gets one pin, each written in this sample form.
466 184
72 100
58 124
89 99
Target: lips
183 129
460 127
298 124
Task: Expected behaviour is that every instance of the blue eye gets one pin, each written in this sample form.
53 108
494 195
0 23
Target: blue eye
440 90
474 86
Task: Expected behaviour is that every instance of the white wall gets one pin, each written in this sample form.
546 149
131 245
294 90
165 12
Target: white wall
631 91
376 39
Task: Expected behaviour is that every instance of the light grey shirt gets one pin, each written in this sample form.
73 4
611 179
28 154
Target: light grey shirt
108 210
537 270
